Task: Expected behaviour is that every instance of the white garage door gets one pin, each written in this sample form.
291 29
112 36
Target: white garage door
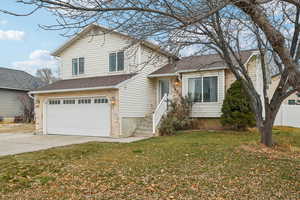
78 116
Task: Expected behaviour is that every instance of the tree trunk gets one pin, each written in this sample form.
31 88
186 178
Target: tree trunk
266 134
265 129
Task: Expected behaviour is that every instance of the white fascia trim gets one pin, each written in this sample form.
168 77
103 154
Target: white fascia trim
72 90
161 75
254 53
185 71
196 70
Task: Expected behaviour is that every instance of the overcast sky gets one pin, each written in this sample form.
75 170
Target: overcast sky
23 44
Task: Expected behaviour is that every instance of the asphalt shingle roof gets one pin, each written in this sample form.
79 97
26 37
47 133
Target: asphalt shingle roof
204 62
18 80
92 82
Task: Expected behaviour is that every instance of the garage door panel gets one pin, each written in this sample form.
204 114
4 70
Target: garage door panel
91 119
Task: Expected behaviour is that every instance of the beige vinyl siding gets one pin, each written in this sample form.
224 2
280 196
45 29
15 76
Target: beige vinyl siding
206 109
95 50
137 96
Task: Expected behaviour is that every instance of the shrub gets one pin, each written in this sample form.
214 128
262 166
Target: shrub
177 117
236 109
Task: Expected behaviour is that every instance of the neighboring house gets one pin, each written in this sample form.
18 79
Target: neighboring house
293 99
14 84
289 112
110 89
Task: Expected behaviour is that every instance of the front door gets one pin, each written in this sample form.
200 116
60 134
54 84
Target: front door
164 87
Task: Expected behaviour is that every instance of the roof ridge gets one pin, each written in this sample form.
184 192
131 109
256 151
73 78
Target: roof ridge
212 54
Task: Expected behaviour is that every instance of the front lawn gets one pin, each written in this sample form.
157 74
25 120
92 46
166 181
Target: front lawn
197 165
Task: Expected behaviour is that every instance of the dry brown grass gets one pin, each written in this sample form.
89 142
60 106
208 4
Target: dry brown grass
188 166
17 128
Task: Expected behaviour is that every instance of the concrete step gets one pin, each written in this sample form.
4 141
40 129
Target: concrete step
143 134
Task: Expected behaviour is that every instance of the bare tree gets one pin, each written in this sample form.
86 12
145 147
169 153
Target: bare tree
27 108
225 27
46 75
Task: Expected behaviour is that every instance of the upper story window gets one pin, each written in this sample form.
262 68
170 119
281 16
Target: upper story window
116 61
203 89
77 66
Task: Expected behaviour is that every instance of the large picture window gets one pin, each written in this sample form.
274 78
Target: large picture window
203 89
116 61
78 66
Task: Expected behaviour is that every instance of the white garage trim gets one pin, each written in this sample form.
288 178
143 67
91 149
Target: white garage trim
107 115
73 90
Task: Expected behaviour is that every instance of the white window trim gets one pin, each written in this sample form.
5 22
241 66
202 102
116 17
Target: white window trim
117 71
78 74
203 76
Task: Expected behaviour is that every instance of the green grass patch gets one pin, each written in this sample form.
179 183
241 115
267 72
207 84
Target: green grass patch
190 165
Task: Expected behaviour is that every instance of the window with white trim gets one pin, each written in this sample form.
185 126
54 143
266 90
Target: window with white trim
203 89
84 101
69 101
54 101
116 61
77 66
101 100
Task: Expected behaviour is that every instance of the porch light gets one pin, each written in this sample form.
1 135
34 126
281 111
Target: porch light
177 82
113 100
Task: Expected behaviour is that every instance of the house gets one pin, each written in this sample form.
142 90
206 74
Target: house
115 86
293 99
13 84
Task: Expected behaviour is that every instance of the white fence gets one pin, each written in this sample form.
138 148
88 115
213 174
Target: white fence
288 115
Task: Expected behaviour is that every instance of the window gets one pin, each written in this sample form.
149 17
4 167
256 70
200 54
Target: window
203 89
101 100
210 89
195 89
163 87
116 61
78 66
54 102
292 102
69 101
84 101
81 65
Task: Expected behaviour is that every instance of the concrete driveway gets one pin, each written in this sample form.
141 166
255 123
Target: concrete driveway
15 143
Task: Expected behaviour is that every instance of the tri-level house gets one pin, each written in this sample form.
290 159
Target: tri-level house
115 86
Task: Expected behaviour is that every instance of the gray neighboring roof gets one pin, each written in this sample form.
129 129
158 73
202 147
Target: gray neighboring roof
18 80
85 83
198 63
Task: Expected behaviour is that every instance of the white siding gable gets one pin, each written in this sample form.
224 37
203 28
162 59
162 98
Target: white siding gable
95 47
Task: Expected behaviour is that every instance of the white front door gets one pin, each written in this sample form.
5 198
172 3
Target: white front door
163 88
78 116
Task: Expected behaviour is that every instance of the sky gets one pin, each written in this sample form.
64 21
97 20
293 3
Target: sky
24 45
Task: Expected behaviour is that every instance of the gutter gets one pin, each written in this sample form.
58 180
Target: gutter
72 90
185 71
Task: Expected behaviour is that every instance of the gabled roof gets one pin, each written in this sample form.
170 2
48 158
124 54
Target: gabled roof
18 80
88 28
79 84
198 63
